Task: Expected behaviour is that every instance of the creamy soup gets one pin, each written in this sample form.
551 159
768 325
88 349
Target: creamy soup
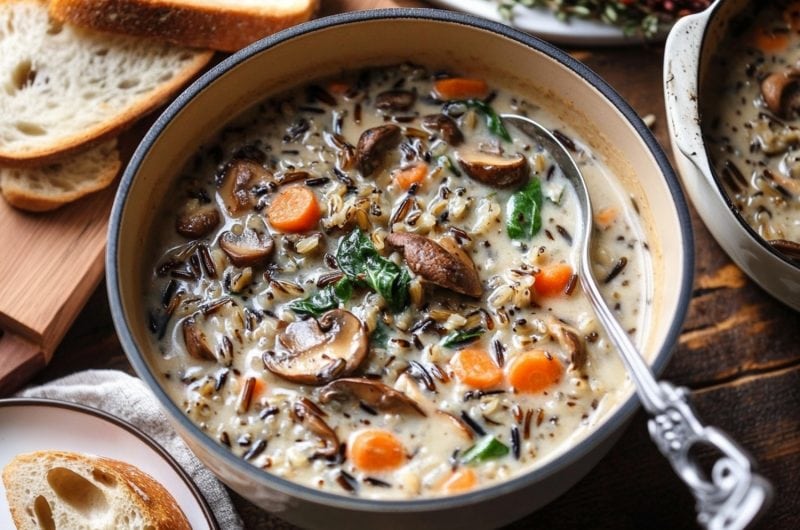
749 106
366 286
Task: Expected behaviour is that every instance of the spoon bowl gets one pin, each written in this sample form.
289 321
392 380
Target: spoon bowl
734 495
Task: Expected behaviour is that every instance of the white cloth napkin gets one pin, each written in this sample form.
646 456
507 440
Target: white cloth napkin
128 398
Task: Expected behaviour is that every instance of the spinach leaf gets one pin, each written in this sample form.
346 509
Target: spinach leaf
487 448
493 120
324 300
380 336
389 280
457 338
524 211
359 260
352 254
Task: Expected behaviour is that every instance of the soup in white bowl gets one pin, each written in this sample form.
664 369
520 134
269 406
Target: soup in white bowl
367 286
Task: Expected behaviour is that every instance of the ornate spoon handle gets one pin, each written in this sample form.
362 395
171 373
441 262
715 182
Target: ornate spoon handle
734 494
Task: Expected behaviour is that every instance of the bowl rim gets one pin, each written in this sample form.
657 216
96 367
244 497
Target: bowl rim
704 49
612 423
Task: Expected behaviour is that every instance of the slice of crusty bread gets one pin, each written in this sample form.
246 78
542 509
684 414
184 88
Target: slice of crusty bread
50 490
63 87
225 25
48 187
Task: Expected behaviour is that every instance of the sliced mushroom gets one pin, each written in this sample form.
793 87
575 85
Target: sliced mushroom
315 352
241 177
781 92
309 415
571 341
790 249
444 263
458 423
446 126
493 169
374 144
395 100
246 249
372 393
197 220
195 340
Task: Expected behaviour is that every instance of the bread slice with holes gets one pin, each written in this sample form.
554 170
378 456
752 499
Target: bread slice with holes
57 489
48 187
63 87
225 25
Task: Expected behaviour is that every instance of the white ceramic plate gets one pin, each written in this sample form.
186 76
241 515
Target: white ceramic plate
542 23
37 424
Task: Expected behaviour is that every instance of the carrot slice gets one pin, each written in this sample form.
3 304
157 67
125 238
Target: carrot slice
474 367
534 371
606 217
460 88
552 280
462 480
409 175
259 387
375 450
294 209
769 41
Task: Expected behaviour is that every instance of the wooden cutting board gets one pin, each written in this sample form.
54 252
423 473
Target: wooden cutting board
50 263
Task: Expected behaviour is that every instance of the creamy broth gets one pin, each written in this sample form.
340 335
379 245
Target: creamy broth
750 119
233 330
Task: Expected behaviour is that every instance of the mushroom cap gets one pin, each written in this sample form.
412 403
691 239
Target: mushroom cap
309 415
781 92
444 125
238 181
395 100
492 169
246 249
316 351
373 144
195 340
196 221
373 393
444 263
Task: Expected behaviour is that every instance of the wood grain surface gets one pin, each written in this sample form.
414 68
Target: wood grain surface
738 353
49 266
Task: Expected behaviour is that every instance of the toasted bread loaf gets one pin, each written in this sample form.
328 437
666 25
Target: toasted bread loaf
64 87
225 25
57 489
53 185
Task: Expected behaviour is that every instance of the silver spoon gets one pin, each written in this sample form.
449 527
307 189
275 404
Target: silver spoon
734 494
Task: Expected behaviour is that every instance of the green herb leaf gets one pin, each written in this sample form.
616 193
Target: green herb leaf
359 260
487 448
524 211
493 120
324 300
352 254
458 338
380 336
389 280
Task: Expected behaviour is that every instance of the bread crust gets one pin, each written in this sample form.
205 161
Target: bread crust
223 28
148 495
94 178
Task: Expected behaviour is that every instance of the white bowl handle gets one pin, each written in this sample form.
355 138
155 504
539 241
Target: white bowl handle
681 72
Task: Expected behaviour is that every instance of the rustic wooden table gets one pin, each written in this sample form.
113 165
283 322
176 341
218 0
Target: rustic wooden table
739 353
